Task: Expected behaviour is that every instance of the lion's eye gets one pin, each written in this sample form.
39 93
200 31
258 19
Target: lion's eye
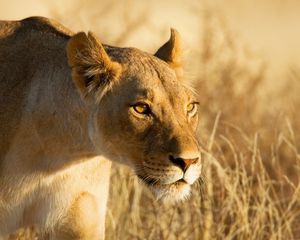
192 108
142 108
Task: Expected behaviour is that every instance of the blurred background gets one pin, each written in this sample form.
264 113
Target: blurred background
243 58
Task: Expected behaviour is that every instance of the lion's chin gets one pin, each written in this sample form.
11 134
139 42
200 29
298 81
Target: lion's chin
171 193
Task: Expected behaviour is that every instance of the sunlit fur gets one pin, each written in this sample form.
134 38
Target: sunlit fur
66 113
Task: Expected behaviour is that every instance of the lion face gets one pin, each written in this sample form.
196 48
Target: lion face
146 118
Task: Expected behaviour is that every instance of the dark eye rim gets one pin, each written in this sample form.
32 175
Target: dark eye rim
194 110
148 109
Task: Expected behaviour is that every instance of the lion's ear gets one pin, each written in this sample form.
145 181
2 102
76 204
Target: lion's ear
92 69
171 52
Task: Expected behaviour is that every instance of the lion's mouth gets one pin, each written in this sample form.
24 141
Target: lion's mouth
170 186
155 182
180 182
171 192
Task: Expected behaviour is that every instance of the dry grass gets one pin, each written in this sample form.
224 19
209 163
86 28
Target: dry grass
251 140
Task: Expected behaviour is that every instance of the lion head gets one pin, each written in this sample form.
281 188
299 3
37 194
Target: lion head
141 111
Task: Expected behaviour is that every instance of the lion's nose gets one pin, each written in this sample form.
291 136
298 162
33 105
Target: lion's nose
183 163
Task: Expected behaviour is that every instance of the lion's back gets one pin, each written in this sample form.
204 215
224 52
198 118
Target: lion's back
25 47
38 24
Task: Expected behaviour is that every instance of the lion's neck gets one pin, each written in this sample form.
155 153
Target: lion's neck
59 121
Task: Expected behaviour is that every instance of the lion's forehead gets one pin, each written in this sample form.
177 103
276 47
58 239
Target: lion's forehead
151 77
157 89
138 62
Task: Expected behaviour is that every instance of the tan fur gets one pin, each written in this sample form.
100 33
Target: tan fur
170 52
67 111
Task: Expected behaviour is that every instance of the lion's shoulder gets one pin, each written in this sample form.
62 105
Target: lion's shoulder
34 25
46 25
30 48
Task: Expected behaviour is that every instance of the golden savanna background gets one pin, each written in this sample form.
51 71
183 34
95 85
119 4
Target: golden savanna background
244 60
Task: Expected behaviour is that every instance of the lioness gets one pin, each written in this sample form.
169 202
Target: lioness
69 106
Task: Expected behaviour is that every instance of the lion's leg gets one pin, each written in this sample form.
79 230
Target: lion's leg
83 221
